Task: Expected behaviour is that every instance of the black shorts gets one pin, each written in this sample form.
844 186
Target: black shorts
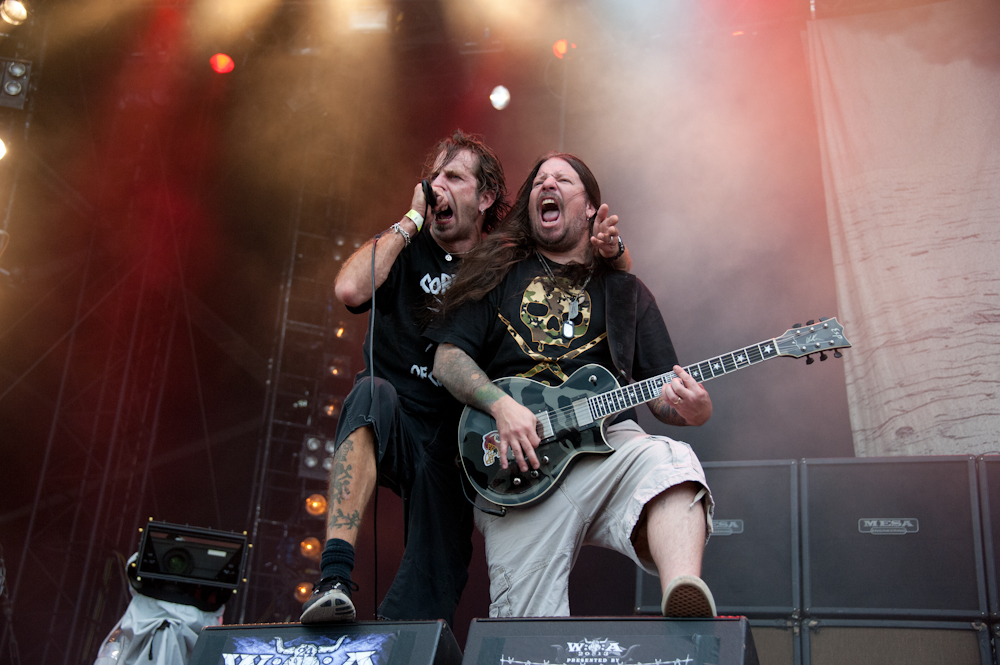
404 434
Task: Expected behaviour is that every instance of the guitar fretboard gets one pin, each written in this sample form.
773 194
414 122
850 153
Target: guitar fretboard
626 397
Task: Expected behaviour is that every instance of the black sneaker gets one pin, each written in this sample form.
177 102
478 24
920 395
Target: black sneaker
330 602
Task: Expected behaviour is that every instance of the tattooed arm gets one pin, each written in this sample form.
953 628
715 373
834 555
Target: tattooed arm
469 384
682 402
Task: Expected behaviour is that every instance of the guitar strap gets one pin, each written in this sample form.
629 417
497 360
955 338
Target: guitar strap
621 297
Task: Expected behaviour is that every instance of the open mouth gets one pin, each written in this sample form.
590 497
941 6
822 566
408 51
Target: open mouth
444 215
550 209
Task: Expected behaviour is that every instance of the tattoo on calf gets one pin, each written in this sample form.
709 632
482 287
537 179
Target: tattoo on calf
340 476
342 521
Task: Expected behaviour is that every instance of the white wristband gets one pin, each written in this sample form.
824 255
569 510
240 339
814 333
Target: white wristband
417 218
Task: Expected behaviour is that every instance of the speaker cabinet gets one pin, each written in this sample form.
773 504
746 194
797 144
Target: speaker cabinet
362 643
989 503
610 641
892 537
778 641
840 641
751 562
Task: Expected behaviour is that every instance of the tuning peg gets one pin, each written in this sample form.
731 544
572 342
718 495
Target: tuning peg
810 360
797 325
822 356
824 318
810 322
838 354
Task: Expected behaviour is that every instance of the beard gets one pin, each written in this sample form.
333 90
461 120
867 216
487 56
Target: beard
561 239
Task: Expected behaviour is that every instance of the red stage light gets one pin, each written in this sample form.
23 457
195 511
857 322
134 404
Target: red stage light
560 48
222 63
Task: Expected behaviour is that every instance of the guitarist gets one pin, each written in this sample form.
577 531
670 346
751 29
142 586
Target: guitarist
535 300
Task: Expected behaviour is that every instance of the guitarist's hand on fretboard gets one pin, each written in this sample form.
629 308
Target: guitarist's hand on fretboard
517 427
684 401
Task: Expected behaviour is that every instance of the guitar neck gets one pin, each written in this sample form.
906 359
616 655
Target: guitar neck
634 394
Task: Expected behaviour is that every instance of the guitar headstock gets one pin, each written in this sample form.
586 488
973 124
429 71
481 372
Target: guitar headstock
814 337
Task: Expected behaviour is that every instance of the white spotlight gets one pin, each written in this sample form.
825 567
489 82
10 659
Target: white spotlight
13 11
3 148
500 97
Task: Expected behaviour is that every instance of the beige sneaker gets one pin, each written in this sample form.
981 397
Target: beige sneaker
688 596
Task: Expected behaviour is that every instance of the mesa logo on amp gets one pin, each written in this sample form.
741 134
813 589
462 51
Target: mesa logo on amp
888 526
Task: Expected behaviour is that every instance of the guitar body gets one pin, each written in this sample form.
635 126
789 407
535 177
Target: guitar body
566 436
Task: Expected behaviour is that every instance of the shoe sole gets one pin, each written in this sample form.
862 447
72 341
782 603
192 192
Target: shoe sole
329 610
688 600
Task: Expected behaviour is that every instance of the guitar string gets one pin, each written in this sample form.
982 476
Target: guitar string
669 376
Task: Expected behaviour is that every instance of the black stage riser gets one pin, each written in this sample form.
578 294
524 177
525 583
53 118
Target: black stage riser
362 643
610 641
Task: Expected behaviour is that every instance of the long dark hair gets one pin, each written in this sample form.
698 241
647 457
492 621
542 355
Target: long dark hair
485 266
489 172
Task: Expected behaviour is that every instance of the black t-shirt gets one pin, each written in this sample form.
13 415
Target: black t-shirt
404 305
518 328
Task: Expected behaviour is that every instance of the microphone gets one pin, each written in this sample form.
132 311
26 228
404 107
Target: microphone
429 197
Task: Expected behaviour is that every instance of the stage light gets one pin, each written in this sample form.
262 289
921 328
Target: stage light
500 97
331 407
310 548
3 149
221 63
13 12
338 366
562 47
369 20
315 460
303 591
14 86
738 33
316 505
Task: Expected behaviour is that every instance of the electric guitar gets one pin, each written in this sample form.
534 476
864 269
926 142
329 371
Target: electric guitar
571 416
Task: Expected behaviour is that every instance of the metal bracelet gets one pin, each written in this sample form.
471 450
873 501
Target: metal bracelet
621 249
397 228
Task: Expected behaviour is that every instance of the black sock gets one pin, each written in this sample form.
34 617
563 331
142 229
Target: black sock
337 559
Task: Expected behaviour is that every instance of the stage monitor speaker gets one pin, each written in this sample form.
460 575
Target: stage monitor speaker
610 641
362 643
989 503
751 562
884 642
892 537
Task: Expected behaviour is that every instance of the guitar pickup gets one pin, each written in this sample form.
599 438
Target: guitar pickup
546 425
581 409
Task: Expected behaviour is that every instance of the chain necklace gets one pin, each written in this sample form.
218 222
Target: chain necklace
574 303
448 255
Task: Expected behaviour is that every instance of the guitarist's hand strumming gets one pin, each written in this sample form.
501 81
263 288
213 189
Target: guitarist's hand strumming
516 426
